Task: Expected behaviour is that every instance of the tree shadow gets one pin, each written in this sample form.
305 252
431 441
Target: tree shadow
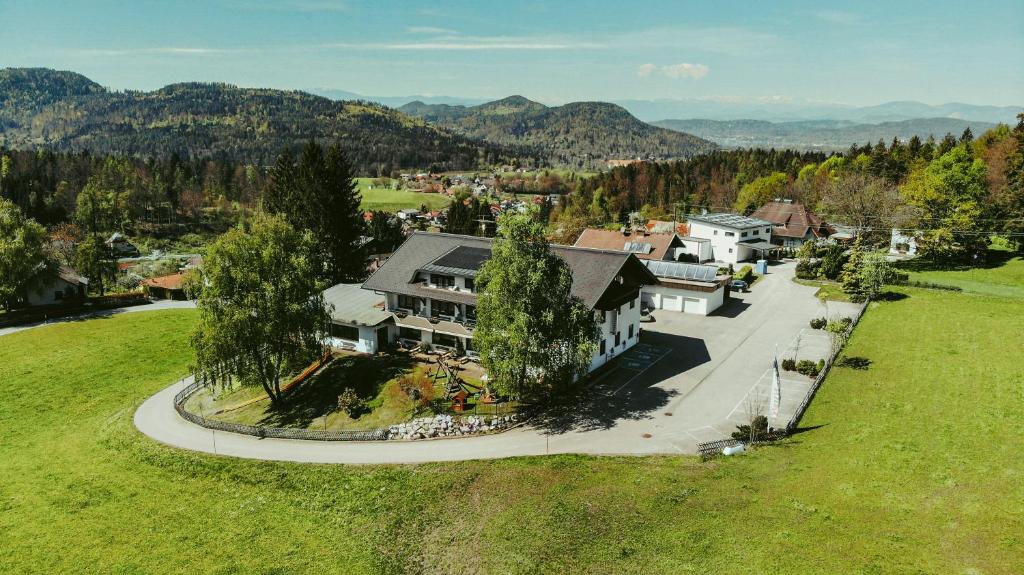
317 396
799 430
622 394
891 296
992 259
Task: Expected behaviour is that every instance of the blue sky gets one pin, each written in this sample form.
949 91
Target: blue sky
852 53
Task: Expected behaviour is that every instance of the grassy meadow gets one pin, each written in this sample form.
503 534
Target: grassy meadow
910 466
388 200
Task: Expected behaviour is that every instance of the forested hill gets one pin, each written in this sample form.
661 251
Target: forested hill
577 135
64 111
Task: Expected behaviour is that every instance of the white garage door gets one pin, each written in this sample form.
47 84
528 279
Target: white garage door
691 305
672 302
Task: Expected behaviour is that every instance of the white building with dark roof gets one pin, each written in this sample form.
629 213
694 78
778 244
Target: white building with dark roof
429 290
733 238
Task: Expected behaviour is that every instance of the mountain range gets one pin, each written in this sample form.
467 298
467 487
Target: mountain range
770 109
822 135
65 111
577 135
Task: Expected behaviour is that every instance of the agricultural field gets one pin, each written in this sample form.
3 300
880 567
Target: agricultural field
908 466
388 200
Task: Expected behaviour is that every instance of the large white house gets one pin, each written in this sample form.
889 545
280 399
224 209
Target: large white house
733 238
427 291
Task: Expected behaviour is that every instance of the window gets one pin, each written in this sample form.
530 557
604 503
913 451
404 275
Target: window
469 284
630 331
348 332
768 231
729 234
600 316
632 303
445 340
716 232
470 312
618 338
409 333
730 250
407 302
442 281
743 235
603 346
442 307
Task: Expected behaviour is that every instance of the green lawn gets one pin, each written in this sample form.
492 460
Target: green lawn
390 200
1003 277
827 290
912 466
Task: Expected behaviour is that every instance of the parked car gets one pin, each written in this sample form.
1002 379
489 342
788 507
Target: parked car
739 285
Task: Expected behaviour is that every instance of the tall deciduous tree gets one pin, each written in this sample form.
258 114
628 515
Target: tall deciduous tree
761 191
22 252
534 336
262 314
949 197
868 203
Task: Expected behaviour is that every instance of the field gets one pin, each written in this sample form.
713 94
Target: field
910 466
1003 276
390 200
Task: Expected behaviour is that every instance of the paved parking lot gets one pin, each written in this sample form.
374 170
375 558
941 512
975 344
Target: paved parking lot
718 367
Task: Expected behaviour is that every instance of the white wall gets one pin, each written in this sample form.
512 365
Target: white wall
707 302
367 342
726 248
700 249
625 317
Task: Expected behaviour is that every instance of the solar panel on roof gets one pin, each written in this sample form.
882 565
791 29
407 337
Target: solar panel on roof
682 271
638 247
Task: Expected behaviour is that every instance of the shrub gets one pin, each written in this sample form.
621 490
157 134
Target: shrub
743 432
818 323
808 269
807 367
418 387
349 402
854 362
789 364
840 325
745 273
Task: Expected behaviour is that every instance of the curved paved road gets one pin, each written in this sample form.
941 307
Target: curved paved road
696 392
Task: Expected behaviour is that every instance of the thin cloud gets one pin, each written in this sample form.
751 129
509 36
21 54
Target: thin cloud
682 70
429 30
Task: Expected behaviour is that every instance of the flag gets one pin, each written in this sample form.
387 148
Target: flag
776 398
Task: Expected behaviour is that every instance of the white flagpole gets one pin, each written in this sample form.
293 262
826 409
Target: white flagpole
776 397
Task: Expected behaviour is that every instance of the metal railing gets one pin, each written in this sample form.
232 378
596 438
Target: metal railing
272 432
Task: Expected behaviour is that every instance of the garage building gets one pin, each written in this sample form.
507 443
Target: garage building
683 287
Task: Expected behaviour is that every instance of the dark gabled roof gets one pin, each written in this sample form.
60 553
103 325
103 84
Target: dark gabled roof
460 260
593 271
